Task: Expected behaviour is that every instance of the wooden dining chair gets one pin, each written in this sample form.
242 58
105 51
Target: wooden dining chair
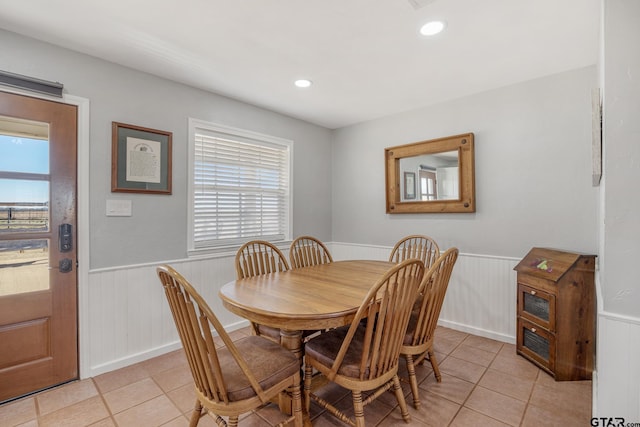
255 258
259 257
237 378
418 340
415 246
307 250
364 356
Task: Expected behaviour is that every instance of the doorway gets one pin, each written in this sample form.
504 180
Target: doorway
38 244
428 185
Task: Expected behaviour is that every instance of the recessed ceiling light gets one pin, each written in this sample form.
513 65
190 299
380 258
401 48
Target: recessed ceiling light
302 83
432 28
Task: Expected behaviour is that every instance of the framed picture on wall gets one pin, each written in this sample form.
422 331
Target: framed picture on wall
596 136
140 159
409 185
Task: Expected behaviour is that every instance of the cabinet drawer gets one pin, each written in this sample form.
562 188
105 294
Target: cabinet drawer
537 306
536 344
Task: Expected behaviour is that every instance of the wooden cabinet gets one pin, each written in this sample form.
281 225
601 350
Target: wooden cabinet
556 312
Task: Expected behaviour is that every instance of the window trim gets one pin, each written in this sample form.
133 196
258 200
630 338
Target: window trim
246 136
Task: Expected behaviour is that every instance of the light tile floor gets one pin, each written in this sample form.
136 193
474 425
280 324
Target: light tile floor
484 383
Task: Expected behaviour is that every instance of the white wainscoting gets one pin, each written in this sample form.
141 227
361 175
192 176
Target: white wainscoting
129 319
481 298
618 367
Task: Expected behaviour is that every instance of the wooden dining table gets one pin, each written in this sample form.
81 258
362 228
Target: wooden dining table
303 299
310 298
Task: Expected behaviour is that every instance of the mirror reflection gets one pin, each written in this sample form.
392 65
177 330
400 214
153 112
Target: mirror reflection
433 176
430 177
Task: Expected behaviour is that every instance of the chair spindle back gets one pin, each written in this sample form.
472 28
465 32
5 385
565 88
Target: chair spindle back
306 251
259 257
387 308
417 246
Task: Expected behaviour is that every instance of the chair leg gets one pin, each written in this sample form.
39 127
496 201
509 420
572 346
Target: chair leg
197 413
413 380
297 402
434 365
358 408
308 374
254 329
400 398
420 359
233 421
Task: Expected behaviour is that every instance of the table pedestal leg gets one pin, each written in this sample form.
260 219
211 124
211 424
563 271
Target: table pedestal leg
292 341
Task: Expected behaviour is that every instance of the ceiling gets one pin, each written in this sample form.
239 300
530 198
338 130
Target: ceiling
366 58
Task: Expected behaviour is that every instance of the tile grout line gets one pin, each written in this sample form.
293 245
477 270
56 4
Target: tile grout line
526 409
187 414
150 377
526 402
538 382
440 361
104 402
37 408
477 384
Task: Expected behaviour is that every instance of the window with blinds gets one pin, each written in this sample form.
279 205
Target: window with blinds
240 186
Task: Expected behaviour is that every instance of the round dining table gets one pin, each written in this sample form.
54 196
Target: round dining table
310 298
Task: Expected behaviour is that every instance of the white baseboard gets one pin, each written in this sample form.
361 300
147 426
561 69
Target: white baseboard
134 358
510 339
155 352
236 325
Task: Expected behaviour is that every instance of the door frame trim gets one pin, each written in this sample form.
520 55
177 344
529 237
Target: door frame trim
82 209
82 185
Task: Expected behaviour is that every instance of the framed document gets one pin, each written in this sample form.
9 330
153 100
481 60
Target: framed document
409 185
140 159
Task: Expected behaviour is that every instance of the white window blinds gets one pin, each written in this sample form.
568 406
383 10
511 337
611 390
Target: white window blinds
241 187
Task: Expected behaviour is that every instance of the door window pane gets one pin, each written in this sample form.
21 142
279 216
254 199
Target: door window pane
20 154
24 266
24 205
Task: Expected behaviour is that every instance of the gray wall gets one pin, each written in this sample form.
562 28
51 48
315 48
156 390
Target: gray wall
157 230
621 109
618 341
533 170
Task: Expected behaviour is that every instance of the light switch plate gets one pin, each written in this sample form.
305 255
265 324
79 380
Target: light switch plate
118 207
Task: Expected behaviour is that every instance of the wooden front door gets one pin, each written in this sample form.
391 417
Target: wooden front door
38 242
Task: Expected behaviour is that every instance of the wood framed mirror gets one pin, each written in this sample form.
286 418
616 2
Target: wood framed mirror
437 175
